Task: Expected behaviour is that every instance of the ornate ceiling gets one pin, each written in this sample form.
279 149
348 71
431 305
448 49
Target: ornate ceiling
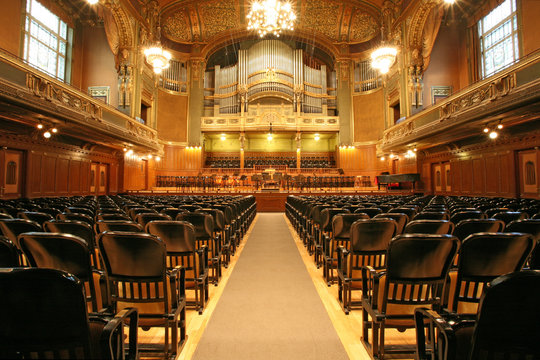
335 21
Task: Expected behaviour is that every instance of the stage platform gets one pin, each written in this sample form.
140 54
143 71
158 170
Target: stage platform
271 201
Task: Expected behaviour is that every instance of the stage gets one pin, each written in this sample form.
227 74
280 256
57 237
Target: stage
272 201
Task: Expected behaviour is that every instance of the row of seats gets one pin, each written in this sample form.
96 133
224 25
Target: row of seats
291 162
133 251
402 253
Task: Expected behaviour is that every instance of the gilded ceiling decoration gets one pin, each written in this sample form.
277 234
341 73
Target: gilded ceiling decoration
363 27
333 21
177 27
218 16
323 17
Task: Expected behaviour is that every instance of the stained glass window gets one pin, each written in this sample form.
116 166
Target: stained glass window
46 40
498 31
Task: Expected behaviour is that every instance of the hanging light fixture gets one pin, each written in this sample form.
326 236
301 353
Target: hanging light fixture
383 57
271 16
270 135
155 55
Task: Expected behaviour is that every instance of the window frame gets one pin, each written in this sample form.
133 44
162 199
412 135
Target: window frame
515 36
26 36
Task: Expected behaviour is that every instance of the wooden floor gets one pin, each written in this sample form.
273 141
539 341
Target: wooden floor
348 327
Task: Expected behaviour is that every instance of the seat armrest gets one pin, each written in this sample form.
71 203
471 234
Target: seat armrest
117 323
439 328
342 264
370 285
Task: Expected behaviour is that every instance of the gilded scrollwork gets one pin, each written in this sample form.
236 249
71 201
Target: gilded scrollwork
321 16
363 27
177 27
218 16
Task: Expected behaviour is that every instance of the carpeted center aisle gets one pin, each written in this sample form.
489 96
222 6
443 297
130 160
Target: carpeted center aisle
270 308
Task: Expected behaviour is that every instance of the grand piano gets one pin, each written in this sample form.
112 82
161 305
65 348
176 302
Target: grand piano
397 178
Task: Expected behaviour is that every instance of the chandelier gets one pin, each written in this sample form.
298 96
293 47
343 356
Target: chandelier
383 58
270 16
158 58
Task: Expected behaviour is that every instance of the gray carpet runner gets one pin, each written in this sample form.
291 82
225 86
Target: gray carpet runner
270 308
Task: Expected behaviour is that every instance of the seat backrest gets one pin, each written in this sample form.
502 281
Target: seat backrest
327 215
145 218
203 223
400 218
76 216
9 256
132 254
11 228
370 211
117 225
432 215
429 227
171 211
79 210
342 223
43 311
372 235
178 236
529 226
509 216
217 215
508 322
109 216
57 251
73 227
38 217
483 257
467 227
420 256
464 215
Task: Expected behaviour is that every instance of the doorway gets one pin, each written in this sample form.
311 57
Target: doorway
11 173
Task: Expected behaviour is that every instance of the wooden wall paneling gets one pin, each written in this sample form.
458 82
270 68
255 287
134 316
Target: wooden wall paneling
48 175
62 176
506 174
93 178
456 176
34 183
74 177
493 172
113 178
479 176
467 176
85 177
425 176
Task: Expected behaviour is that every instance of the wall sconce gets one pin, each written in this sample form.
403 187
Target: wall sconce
223 137
317 137
49 131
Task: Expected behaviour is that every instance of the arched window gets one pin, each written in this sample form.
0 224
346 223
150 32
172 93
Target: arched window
438 178
447 177
102 178
11 173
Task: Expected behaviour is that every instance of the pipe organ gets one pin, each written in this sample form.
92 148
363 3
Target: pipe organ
366 78
269 69
174 78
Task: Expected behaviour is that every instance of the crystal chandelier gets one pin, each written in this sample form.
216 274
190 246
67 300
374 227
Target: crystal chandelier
158 58
383 58
270 16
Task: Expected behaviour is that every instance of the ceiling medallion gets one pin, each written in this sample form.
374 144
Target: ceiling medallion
271 16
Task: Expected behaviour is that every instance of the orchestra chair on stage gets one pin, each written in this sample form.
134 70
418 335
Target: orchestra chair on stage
506 326
44 315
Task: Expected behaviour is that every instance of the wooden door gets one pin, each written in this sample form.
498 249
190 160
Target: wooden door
11 174
94 178
528 173
103 179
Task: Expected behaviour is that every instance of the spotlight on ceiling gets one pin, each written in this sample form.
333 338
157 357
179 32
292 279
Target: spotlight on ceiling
493 134
47 134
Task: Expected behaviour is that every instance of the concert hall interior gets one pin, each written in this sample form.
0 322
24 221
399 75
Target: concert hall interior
266 104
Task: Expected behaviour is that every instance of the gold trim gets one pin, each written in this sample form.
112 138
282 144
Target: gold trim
312 85
264 94
271 81
275 70
228 85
